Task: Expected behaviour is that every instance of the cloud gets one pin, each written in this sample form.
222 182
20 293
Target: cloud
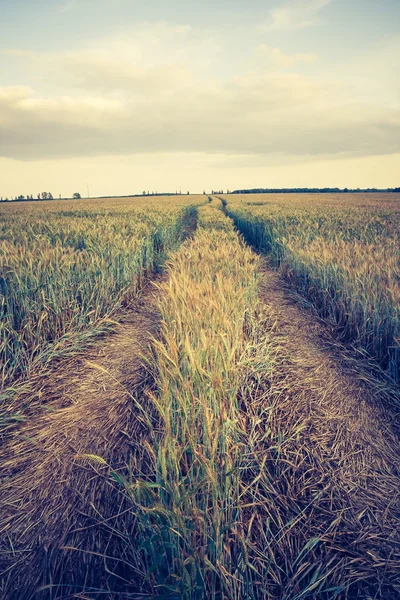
275 56
148 90
89 71
255 114
159 43
33 127
296 14
149 57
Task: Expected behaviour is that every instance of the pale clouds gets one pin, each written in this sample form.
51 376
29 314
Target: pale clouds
160 43
105 74
295 14
153 89
258 113
150 57
275 56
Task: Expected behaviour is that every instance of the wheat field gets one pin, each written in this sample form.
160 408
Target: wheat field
201 398
65 269
340 252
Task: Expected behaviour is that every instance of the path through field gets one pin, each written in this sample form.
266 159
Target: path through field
331 453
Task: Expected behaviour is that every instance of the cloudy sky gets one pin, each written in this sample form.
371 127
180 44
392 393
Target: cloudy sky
126 95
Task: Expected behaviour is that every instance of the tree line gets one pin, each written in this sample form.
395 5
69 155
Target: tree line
326 190
30 197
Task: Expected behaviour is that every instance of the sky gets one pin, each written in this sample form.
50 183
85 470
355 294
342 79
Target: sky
122 96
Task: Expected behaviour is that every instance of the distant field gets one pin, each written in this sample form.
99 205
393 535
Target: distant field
341 251
65 266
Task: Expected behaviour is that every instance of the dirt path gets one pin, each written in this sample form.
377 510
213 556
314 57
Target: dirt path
50 498
347 446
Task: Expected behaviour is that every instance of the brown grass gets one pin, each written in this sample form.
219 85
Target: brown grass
53 496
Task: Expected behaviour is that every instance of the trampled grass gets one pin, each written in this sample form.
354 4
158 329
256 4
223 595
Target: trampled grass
66 266
343 253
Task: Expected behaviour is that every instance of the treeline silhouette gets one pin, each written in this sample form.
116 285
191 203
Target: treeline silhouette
77 196
326 190
29 197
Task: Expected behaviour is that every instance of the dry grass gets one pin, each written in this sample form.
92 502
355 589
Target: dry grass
326 462
58 507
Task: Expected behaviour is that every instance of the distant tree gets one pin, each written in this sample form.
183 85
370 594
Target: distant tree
44 195
188 193
21 197
49 196
76 195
